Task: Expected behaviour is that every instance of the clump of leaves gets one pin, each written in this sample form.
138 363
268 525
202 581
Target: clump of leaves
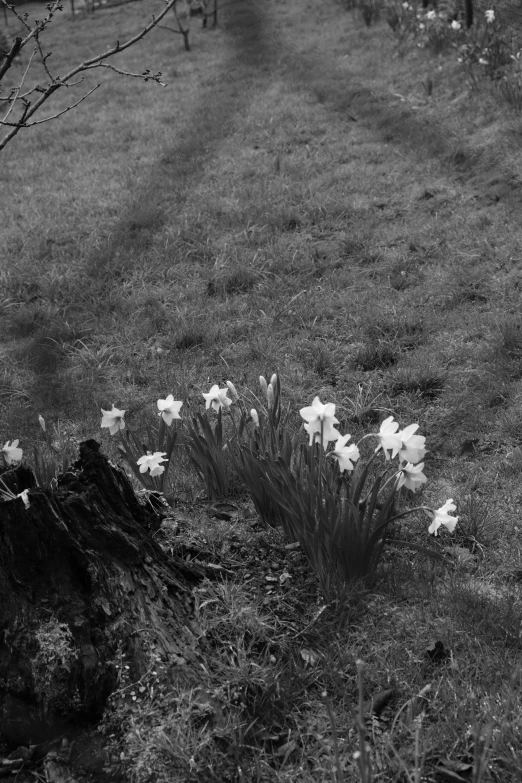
268 439
478 525
205 450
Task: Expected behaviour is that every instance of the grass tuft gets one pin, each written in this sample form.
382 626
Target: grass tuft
229 282
425 381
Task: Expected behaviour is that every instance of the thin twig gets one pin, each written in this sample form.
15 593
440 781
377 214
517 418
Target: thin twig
54 116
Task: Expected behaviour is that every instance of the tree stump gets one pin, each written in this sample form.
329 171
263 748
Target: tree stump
82 584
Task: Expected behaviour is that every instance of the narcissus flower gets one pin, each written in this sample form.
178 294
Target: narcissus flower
25 497
11 452
490 15
412 448
347 456
411 476
318 415
41 421
255 417
113 419
431 15
151 462
216 398
442 517
270 396
389 438
455 25
263 385
169 409
233 391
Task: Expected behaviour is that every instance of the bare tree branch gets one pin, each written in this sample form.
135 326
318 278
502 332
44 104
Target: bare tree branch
15 94
53 116
146 75
10 56
29 108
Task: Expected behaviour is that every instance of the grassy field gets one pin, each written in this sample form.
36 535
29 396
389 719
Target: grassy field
295 200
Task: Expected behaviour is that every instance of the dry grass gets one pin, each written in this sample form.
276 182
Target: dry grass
295 199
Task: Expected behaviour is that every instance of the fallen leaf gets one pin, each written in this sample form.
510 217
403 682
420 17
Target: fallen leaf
309 656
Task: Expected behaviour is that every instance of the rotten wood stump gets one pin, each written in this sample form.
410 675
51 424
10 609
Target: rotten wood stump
82 582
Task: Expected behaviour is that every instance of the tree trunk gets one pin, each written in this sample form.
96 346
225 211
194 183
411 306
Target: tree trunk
468 5
82 584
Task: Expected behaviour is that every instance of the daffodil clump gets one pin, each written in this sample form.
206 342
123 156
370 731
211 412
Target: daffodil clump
335 497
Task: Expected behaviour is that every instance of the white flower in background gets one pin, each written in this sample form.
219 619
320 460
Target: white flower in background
482 61
216 398
318 415
347 456
431 15
11 452
455 25
389 438
411 476
41 421
255 417
442 517
233 391
412 448
113 419
421 27
169 409
490 15
151 462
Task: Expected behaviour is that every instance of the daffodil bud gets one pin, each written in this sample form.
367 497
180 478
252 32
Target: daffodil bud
42 423
270 396
273 380
233 392
255 417
262 383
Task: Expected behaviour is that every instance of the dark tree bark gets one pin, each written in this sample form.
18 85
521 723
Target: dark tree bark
468 5
82 581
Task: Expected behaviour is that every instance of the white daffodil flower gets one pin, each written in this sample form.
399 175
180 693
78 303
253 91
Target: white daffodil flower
490 15
169 409
11 452
431 15
113 419
389 438
411 476
216 398
347 456
442 517
318 415
41 421
25 497
455 25
151 462
255 417
412 448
